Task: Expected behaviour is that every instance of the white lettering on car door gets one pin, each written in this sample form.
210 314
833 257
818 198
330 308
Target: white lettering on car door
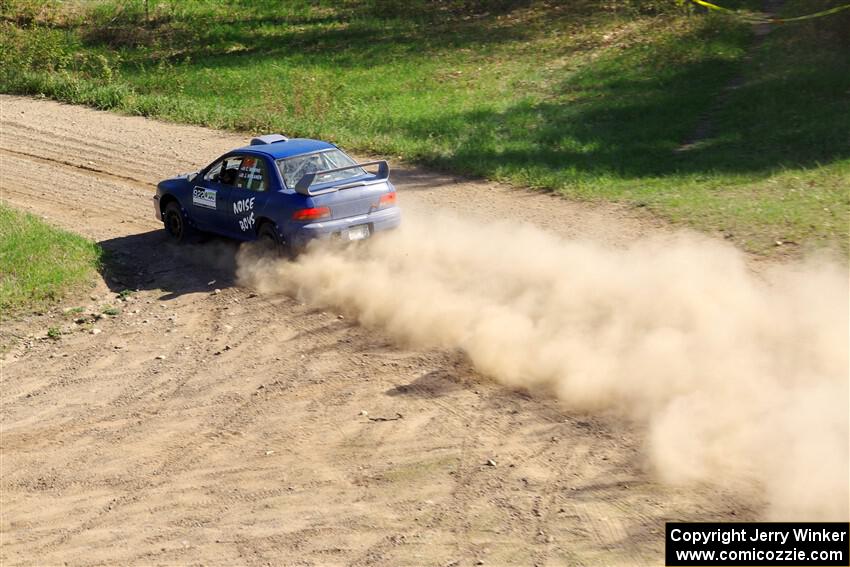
247 222
245 206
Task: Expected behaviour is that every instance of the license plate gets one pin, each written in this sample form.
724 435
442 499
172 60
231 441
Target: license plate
357 232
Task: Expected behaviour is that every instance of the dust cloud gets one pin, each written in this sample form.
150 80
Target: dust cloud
742 378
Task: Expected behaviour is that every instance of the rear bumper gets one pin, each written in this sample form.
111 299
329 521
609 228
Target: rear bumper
156 209
378 221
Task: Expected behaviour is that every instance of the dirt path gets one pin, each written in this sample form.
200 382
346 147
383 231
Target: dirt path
705 128
229 428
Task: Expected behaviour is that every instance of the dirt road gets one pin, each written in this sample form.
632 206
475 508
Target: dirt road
235 428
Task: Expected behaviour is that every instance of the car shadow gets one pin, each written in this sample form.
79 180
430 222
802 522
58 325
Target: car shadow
151 261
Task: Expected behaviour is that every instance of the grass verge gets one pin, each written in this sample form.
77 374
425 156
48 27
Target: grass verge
590 99
39 263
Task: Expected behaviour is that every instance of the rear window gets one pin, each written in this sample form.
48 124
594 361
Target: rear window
294 168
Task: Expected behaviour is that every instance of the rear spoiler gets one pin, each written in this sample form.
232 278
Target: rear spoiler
303 185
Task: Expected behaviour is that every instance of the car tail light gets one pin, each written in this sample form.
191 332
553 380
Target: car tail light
387 200
314 213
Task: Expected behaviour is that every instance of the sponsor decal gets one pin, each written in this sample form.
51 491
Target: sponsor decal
245 206
204 197
247 222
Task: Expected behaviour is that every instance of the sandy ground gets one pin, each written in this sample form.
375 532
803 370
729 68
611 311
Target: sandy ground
228 428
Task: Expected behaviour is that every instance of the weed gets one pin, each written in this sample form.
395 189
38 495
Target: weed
125 294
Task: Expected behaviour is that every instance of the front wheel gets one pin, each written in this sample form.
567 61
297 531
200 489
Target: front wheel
175 223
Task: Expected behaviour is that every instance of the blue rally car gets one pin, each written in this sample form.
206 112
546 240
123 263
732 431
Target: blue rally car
283 192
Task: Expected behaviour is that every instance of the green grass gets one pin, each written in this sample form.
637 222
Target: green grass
125 294
39 263
588 98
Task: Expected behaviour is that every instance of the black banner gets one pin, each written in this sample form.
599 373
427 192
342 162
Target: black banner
764 544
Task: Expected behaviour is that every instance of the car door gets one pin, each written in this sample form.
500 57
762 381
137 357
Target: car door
211 194
249 196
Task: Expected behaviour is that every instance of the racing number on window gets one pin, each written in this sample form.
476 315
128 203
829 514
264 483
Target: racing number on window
252 174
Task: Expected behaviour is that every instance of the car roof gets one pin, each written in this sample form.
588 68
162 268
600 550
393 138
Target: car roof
288 148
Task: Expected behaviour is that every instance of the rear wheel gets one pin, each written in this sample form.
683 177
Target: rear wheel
268 240
175 223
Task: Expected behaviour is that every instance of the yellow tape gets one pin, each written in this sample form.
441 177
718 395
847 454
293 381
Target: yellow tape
711 6
766 20
810 16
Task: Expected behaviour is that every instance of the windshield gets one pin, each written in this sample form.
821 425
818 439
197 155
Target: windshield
294 168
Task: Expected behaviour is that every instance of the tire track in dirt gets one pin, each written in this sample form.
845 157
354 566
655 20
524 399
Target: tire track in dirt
100 173
50 142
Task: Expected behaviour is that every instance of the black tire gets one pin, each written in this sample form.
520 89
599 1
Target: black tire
268 240
175 223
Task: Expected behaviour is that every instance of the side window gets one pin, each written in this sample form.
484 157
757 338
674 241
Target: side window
224 171
252 174
214 171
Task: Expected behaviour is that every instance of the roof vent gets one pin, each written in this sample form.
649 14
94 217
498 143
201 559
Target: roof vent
268 139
